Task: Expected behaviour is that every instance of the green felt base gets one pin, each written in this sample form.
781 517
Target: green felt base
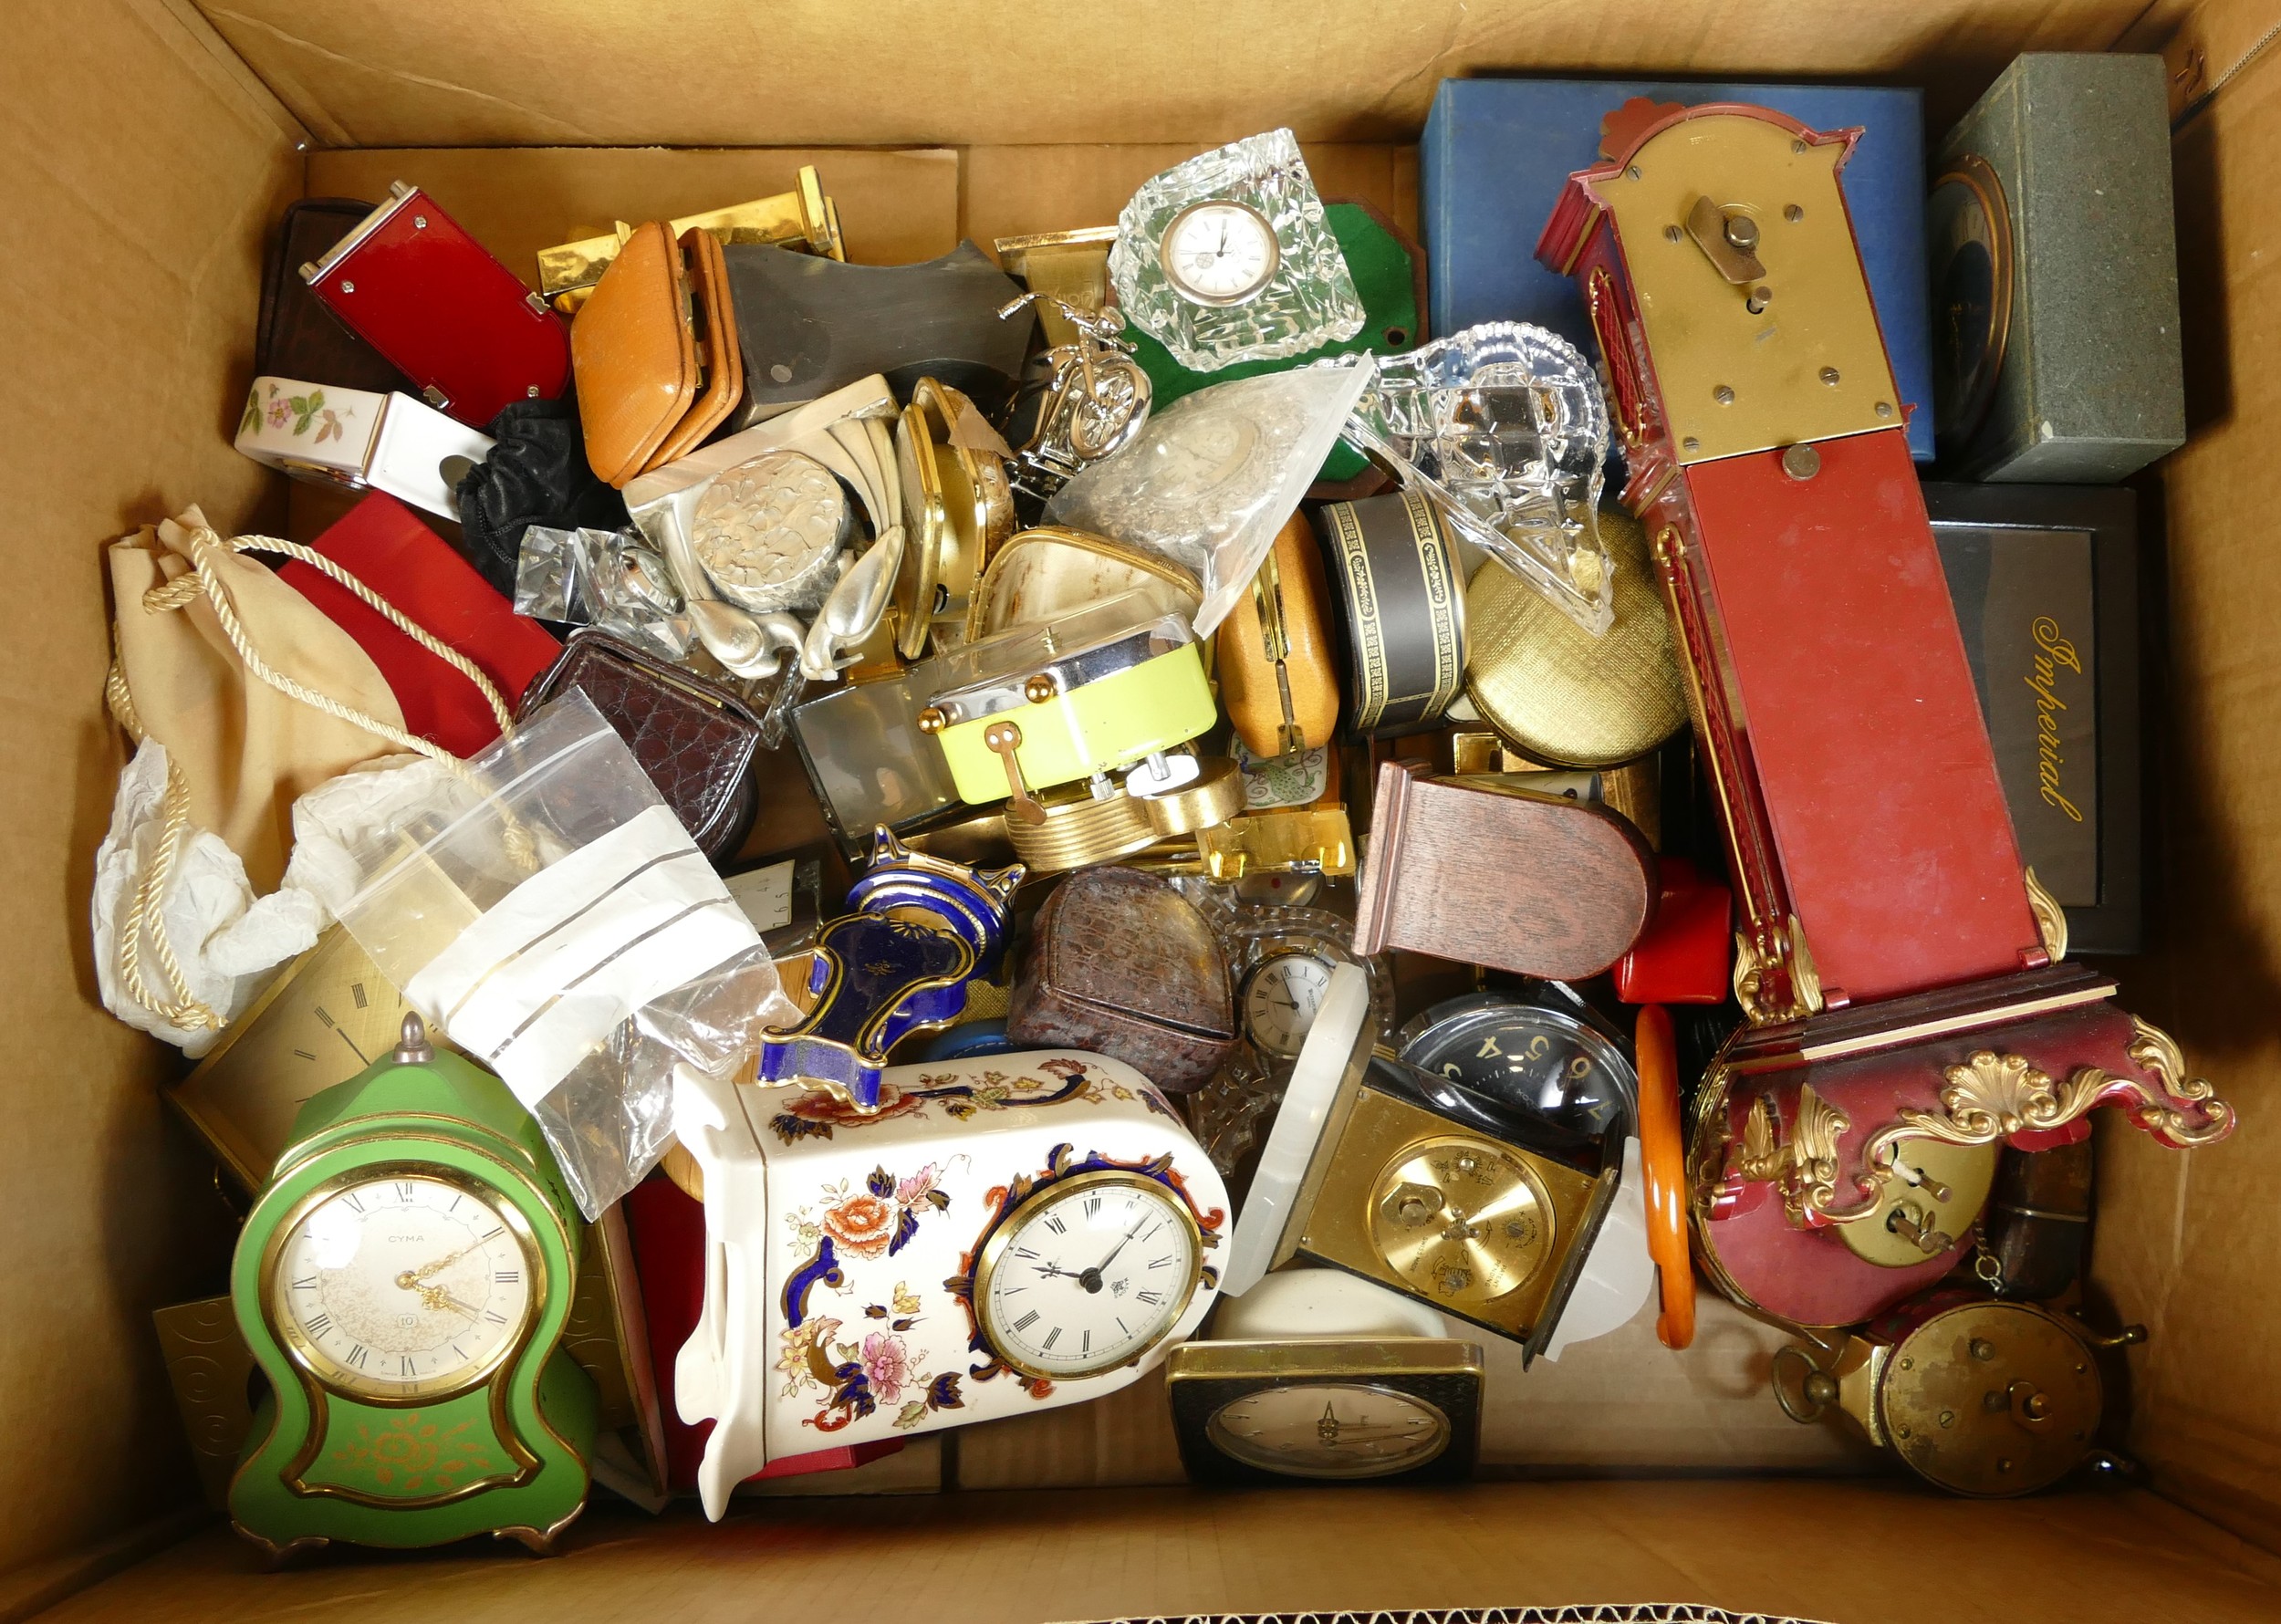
1387 282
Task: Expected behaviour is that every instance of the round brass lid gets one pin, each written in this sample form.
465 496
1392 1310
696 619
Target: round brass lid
1991 1398
1929 1204
1566 697
1463 1219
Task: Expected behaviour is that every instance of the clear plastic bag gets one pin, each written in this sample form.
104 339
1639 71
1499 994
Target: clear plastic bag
545 911
606 578
1503 428
1215 474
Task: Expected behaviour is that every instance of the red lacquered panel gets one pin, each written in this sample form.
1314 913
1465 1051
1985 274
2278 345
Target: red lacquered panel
1864 729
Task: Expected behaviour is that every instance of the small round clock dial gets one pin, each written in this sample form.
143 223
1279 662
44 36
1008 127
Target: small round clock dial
1544 1060
1087 1274
1219 252
1463 1221
1335 1430
1281 996
403 1285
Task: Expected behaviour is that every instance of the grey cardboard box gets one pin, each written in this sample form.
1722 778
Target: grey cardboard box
2089 389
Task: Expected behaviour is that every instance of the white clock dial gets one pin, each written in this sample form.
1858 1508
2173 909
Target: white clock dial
403 1287
1087 1274
1281 998
1330 1430
1219 252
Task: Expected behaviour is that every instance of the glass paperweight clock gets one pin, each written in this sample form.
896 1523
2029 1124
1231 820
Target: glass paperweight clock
1227 259
1504 427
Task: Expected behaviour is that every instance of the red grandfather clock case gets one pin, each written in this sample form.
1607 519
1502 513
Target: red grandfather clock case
1904 973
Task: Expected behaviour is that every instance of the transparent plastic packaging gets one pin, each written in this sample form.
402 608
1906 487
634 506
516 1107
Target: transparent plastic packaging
1213 476
606 578
1290 290
1504 427
545 911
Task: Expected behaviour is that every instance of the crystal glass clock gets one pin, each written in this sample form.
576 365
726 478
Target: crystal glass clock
1228 258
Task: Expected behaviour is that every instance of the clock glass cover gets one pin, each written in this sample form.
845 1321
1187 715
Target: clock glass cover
1970 229
402 1286
1333 1430
1542 1059
1219 252
1280 997
1087 1274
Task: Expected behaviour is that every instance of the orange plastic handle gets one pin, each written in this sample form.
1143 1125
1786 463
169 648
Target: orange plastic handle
1665 1162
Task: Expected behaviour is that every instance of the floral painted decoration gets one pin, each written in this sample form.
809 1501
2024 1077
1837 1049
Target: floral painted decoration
816 1113
303 411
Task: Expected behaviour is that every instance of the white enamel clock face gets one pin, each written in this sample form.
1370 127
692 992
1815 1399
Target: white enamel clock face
1087 1274
1281 998
403 1287
1330 1430
1216 252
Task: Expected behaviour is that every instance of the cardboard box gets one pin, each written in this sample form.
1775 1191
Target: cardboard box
153 144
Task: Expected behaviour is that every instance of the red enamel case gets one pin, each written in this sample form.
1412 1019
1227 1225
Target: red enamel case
413 285
1898 963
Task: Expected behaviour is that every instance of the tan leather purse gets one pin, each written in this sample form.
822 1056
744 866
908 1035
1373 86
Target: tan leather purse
1276 676
655 353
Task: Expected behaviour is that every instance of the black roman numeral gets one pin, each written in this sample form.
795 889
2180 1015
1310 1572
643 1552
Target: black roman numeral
508 1277
410 1370
356 991
357 1356
494 1318
355 1202
1092 1206
1087 1346
1163 1263
403 1192
319 1326
1025 1252
327 1019
1027 1320
306 1284
491 1234
1052 1337
304 1053
1155 1299
1053 1222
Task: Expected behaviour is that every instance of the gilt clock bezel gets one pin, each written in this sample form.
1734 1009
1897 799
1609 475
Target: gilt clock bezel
1011 1221
286 1333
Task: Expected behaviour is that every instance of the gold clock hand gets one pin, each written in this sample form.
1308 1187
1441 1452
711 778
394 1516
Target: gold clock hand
410 1278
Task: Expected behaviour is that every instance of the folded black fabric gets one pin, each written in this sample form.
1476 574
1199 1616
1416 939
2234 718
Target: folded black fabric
537 474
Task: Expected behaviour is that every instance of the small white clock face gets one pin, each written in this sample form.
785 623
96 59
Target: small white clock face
1281 998
1219 252
404 1286
1087 1274
1330 1430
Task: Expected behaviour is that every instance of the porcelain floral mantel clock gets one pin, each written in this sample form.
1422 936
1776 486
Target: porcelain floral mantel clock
1004 1234
404 1282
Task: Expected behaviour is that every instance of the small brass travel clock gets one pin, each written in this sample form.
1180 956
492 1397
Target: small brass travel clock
404 1282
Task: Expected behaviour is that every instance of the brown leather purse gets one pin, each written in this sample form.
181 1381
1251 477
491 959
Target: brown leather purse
1278 678
1122 965
655 353
697 741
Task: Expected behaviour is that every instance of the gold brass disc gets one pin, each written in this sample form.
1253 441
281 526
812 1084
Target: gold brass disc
1991 1398
1463 1219
1930 1203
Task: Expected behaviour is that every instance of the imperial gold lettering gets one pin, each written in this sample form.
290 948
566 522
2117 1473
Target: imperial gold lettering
2057 653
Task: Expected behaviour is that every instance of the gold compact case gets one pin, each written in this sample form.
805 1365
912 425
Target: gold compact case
1566 697
1474 1207
958 506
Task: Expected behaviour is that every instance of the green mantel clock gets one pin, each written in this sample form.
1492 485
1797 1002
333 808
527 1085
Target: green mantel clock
404 1282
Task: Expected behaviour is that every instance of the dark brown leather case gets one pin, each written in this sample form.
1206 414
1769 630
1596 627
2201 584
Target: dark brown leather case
695 739
1122 965
296 336
2039 1219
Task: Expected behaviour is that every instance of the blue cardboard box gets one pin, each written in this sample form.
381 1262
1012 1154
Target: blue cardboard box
1496 152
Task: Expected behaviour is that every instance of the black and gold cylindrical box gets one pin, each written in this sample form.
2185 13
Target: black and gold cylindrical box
1404 599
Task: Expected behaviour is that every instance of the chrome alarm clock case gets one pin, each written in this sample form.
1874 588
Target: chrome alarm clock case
1004 1234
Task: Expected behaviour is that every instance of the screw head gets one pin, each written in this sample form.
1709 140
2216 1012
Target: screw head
1797 146
1793 214
1633 171
933 721
1671 234
1830 375
1801 461
1884 409
1743 232
420 223
1948 1418
1724 395
1039 690
348 287
1690 443
1983 1349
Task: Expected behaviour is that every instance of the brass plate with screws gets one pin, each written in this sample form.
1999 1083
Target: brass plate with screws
1772 364
1992 1399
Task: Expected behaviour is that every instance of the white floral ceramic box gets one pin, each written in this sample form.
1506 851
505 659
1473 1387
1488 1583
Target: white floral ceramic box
1006 1233
355 438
